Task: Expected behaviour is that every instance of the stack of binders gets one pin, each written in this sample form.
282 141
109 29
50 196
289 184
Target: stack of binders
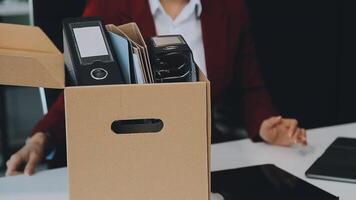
100 55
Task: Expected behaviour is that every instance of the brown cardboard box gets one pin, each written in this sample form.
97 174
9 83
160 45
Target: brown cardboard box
171 164
28 58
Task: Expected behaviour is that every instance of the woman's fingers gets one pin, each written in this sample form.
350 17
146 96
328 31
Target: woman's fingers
14 164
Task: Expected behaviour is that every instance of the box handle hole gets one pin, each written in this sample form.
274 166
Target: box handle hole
134 126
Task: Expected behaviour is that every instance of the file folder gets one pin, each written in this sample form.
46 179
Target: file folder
139 50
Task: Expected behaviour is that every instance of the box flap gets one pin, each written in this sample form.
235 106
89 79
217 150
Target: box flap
29 58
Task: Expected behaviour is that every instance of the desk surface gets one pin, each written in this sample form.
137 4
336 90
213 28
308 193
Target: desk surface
52 184
14 8
295 160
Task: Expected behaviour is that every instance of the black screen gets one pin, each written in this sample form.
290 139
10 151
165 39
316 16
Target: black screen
264 182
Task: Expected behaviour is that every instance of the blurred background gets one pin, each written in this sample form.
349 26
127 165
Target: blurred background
306 50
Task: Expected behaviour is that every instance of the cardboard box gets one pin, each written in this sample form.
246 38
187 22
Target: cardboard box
171 164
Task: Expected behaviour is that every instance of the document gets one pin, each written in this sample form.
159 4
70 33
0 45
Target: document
138 68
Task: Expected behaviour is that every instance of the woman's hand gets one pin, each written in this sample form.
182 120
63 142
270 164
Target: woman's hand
282 131
28 156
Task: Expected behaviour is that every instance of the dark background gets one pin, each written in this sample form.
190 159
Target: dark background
307 54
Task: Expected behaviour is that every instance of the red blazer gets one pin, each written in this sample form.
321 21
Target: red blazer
229 53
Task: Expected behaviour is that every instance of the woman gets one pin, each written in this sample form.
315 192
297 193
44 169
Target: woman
218 34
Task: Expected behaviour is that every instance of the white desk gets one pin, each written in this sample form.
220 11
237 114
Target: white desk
52 184
294 160
14 8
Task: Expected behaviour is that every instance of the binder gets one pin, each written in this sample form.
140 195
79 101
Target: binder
123 50
337 163
88 53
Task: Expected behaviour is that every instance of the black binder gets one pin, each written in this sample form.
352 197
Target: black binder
337 163
264 182
88 52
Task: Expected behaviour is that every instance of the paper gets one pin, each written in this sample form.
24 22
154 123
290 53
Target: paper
138 67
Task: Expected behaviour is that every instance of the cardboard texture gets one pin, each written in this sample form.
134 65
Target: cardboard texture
28 58
171 164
